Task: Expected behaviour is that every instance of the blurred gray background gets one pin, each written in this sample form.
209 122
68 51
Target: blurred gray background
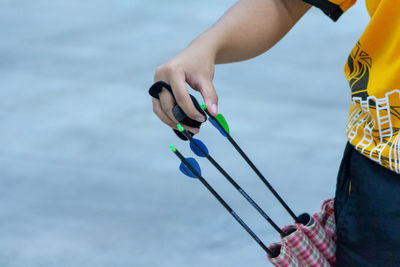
86 175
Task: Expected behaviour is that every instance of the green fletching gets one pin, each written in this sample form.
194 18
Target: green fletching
220 118
180 127
203 106
172 148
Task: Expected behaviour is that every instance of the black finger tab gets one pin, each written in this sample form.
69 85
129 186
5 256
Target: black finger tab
184 119
157 87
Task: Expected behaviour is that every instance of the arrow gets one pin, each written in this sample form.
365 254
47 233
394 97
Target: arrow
222 126
188 167
200 149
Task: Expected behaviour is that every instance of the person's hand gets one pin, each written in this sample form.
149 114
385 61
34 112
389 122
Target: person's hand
247 29
193 66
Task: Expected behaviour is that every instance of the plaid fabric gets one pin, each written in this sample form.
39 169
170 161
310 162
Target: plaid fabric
326 218
303 248
285 257
311 245
324 243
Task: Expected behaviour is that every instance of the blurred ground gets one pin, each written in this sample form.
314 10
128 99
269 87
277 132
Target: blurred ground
86 176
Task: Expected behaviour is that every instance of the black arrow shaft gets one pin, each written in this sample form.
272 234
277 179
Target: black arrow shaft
245 195
222 201
236 185
255 169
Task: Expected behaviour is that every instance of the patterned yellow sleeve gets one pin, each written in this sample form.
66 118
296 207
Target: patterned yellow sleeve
332 8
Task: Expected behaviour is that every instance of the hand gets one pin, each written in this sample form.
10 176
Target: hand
246 30
194 66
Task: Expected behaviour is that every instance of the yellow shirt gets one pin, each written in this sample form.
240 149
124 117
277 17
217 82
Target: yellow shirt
373 72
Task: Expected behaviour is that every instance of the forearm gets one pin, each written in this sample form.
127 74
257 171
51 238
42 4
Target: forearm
250 28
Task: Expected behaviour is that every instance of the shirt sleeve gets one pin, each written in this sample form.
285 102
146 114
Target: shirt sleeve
332 8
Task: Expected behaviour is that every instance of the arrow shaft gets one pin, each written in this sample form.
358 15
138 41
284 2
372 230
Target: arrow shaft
236 185
222 201
263 179
245 195
255 169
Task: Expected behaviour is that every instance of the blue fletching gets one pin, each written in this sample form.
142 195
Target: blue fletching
194 164
215 123
198 148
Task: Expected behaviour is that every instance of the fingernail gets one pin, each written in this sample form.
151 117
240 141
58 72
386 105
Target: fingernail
194 130
214 108
201 119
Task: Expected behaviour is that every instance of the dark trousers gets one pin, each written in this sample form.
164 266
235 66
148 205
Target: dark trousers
367 213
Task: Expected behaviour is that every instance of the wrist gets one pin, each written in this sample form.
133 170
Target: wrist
206 46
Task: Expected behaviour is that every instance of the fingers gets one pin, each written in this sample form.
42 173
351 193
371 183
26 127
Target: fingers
181 94
157 109
167 103
210 97
163 109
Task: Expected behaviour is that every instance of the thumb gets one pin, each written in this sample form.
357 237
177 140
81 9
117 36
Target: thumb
210 97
